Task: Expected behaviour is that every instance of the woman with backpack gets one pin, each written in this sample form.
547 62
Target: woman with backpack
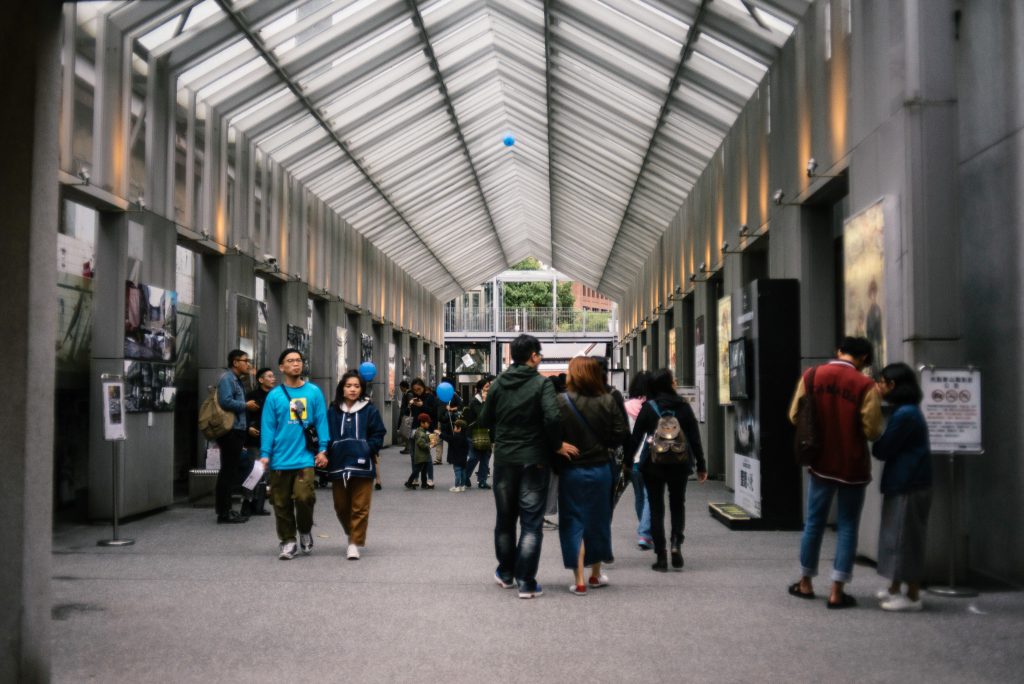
592 426
357 434
667 429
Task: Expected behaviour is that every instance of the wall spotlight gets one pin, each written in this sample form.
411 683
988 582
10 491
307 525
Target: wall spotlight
777 197
812 166
703 267
744 231
83 173
725 248
141 201
270 259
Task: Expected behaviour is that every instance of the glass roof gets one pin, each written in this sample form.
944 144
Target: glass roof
396 114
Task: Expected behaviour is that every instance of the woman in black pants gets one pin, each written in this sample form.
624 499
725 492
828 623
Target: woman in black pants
662 401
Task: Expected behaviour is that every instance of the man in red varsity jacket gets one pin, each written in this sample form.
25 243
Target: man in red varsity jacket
848 414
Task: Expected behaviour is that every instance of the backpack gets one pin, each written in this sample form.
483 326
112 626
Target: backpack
668 443
348 456
214 421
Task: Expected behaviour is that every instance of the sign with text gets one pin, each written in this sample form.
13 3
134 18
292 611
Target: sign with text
113 410
952 408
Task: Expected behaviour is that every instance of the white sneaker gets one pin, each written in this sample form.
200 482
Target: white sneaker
306 543
884 595
462 488
454 489
353 552
903 604
288 550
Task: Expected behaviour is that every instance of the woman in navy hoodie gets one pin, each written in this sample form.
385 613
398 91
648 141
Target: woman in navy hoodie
357 433
906 488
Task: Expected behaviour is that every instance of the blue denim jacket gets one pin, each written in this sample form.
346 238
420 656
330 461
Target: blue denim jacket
231 397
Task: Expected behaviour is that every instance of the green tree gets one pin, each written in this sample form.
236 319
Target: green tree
536 294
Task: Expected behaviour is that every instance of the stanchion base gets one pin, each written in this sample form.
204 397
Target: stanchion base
954 592
115 542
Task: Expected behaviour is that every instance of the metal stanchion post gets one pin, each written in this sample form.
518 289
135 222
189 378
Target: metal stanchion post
952 589
116 489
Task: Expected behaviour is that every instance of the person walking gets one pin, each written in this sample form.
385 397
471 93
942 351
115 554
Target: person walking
631 466
847 408
664 403
479 452
293 410
420 454
357 434
231 397
422 401
593 426
906 489
522 412
255 502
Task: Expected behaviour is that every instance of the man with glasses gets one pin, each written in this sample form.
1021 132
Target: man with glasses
231 397
522 412
289 409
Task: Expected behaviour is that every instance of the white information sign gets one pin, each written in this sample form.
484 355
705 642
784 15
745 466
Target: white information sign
952 408
689 394
747 484
113 410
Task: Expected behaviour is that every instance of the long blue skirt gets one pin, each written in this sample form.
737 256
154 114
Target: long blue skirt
585 514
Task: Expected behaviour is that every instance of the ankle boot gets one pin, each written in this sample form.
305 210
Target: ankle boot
677 557
661 565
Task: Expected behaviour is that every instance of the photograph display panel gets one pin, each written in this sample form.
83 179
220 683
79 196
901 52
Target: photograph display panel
724 335
148 387
298 339
150 322
864 279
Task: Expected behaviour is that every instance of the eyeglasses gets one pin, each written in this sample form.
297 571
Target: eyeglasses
243 360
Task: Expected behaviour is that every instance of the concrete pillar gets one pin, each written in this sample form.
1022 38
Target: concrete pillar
389 375
29 51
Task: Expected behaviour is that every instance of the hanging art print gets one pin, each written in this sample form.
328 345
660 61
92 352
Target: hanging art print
864 279
150 321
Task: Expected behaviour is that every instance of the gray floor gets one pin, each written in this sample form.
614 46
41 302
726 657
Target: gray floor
192 601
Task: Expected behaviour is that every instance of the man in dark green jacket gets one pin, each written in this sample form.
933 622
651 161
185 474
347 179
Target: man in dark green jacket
522 413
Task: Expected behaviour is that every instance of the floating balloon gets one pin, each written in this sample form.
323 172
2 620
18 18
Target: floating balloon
509 140
445 392
367 371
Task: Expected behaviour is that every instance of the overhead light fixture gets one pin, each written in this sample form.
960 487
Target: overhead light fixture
812 170
777 197
744 231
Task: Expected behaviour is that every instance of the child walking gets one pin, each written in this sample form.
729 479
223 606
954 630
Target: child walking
906 489
458 454
421 453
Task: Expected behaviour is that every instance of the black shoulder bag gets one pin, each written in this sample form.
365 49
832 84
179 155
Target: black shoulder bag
308 430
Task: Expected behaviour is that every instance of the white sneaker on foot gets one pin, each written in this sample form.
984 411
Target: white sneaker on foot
288 550
306 543
454 489
903 604
353 552
884 595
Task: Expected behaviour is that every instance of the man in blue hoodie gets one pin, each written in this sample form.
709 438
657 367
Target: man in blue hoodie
289 408
522 412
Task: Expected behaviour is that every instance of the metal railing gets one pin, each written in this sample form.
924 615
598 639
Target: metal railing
537 319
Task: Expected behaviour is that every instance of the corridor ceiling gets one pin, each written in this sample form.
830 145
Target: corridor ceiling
396 113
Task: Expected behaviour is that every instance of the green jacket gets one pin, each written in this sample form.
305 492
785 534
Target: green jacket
421 446
522 412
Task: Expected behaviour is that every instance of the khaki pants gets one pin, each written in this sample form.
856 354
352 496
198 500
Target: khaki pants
293 497
352 504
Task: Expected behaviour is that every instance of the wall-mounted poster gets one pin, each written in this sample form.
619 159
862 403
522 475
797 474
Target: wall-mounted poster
298 339
113 409
148 387
671 344
341 347
701 369
724 335
864 279
149 322
365 348
407 369
392 383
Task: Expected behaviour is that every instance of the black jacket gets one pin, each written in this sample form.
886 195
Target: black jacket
605 427
647 420
522 413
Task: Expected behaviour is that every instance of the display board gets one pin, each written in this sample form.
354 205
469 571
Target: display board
864 279
952 409
724 336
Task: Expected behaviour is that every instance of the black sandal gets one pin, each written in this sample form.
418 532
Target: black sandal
845 601
794 590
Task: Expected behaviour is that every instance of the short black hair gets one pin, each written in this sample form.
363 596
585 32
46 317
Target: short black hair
261 371
483 381
404 384
523 347
286 352
906 389
858 347
233 355
660 383
339 393
638 386
419 381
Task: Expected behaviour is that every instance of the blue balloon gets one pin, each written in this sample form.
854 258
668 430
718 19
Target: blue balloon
509 140
367 371
445 392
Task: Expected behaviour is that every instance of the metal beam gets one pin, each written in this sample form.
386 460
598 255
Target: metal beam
272 61
547 106
417 20
684 56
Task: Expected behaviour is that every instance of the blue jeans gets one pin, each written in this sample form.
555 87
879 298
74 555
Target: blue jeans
643 507
819 500
461 476
481 457
519 495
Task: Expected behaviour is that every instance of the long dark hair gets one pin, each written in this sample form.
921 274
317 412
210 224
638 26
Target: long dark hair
660 383
906 389
339 393
639 384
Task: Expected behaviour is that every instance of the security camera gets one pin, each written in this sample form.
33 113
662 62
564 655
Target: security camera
777 197
725 247
270 259
83 173
703 267
812 166
744 230
141 202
